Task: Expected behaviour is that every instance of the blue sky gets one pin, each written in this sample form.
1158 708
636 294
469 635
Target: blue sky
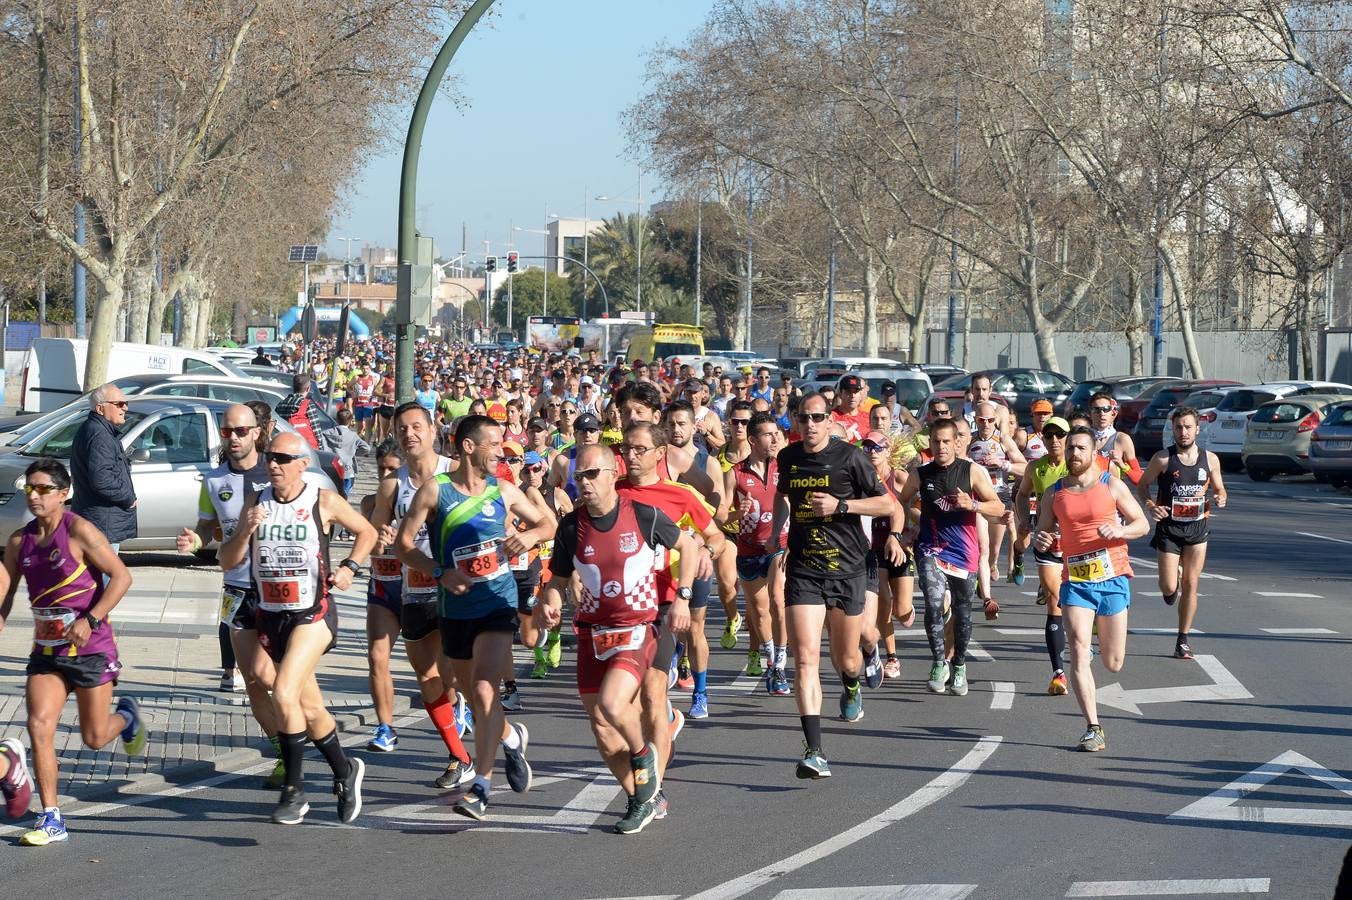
519 148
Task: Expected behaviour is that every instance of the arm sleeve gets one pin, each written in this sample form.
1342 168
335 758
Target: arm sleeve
565 545
655 526
206 511
865 477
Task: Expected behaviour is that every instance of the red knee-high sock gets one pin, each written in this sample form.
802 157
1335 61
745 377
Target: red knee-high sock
442 713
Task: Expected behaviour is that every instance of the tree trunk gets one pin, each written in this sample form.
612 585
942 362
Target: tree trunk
159 301
870 323
1306 331
190 303
1044 332
1184 312
103 325
1136 330
140 286
203 314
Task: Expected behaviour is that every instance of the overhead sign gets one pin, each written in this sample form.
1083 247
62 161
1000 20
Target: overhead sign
1222 805
1224 686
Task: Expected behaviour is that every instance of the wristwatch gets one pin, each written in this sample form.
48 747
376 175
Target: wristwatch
901 537
94 624
843 507
437 572
685 593
351 564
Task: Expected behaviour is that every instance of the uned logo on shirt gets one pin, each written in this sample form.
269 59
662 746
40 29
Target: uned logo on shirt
629 542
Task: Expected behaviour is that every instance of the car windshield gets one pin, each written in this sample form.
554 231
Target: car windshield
1243 400
672 348
57 444
1280 413
1203 399
1129 390
1340 416
1086 389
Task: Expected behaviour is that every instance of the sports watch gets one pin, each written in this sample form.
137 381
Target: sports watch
843 507
351 565
684 593
94 624
437 572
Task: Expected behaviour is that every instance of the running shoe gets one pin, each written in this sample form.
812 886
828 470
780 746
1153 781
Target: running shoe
232 682
515 765
729 638
852 704
676 722
348 790
646 780
1041 596
938 677
873 668
958 687
813 765
554 650
384 740
661 805
511 698
1182 649
779 684
291 809
637 815
134 734
992 609
540 670
684 678
699 705
754 667
474 804
17 785
457 774
464 716
671 670
1093 740
1058 687
892 666
50 829
1016 571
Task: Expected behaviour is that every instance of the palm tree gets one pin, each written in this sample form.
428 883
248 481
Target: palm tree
613 257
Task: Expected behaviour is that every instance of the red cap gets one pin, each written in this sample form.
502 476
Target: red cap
877 437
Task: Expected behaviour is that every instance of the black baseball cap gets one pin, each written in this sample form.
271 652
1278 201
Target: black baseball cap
586 422
851 382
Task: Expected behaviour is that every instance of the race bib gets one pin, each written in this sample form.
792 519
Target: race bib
281 595
1188 509
231 600
480 562
951 570
1091 567
386 568
520 562
546 551
51 626
418 582
606 642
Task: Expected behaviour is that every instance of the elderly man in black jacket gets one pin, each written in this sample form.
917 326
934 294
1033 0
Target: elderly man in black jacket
100 471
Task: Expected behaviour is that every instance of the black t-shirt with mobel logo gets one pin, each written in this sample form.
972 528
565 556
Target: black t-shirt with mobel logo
826 546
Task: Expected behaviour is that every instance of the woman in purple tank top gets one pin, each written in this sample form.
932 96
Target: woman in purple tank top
63 560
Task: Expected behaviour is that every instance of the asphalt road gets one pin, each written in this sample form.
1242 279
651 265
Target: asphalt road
1224 775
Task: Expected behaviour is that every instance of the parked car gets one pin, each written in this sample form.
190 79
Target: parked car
1129 411
1121 387
1331 446
1223 430
937 371
1148 432
1278 438
1205 402
1017 387
172 443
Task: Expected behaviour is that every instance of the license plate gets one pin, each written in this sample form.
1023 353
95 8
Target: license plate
1338 445
1232 423
1269 435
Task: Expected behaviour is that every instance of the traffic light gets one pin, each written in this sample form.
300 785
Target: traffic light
511 261
491 264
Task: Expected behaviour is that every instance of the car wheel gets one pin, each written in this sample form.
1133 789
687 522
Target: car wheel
1260 474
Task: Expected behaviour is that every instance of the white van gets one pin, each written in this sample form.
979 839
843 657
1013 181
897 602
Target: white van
53 370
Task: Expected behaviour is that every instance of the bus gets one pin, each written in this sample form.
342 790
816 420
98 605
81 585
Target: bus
552 334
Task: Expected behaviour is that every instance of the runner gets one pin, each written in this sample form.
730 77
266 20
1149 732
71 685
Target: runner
1181 509
983 538
1110 443
16 784
615 545
1040 476
224 488
826 486
72 587
382 612
891 561
1033 449
953 492
1096 515
526 471
285 542
407 603
1002 460
467 510
851 411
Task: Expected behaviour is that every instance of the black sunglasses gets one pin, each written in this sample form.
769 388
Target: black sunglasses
237 431
804 418
283 459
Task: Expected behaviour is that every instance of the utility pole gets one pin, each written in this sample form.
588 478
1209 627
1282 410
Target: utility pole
586 261
831 300
78 275
953 281
747 340
699 242
544 300
638 288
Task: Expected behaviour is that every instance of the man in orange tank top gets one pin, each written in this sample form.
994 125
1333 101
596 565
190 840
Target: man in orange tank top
1095 590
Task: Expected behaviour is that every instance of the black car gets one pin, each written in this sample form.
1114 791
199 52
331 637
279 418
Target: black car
1017 387
1121 387
1148 433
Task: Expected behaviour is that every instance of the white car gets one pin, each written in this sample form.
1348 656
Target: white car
1224 427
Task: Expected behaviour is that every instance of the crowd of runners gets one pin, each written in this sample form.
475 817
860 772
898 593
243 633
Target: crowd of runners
557 503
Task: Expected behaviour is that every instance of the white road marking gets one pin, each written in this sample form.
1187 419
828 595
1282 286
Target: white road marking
976 651
882 892
1169 887
1002 695
1020 632
1289 594
1224 686
941 786
1153 565
1324 537
1132 630
1300 631
1220 806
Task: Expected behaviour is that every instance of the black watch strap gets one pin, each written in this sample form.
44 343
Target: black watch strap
94 624
351 563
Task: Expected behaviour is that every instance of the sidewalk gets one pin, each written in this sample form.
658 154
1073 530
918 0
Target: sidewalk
166 637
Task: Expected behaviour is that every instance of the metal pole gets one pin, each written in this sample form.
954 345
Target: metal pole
831 300
638 288
699 241
586 260
747 339
544 299
488 290
78 275
953 282
408 190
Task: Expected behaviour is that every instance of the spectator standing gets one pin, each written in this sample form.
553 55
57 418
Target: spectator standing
100 471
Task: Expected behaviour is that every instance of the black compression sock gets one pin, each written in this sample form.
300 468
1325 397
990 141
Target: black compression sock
293 754
812 731
1056 642
333 752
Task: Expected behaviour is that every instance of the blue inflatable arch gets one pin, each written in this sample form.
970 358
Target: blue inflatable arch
288 320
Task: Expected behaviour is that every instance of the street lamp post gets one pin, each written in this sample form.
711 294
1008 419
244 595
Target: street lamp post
638 240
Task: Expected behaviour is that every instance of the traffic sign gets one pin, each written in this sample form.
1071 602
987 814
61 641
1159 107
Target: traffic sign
308 324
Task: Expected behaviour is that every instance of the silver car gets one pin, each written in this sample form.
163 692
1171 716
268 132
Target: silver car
172 443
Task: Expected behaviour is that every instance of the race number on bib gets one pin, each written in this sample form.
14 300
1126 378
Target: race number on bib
418 582
951 570
606 642
1187 509
231 600
480 562
51 626
386 568
1091 567
281 595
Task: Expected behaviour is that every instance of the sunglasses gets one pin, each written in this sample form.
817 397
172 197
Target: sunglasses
283 459
535 469
941 412
587 430
1101 409
512 460
1053 433
590 474
739 422
42 490
804 418
874 448
120 404
984 418
237 431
